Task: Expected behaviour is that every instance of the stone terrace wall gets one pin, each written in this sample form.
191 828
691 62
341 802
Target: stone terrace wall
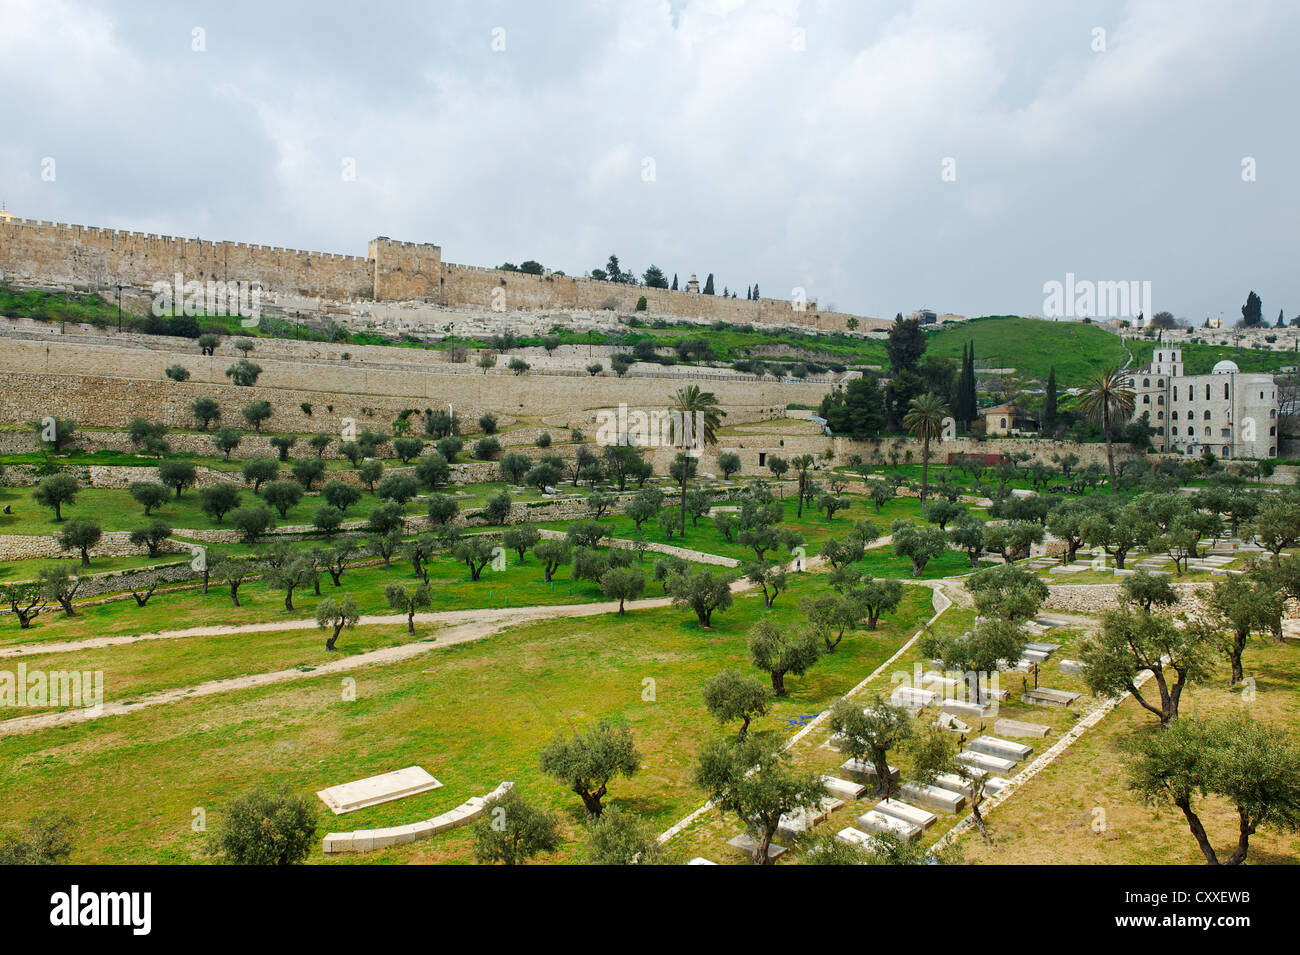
107 386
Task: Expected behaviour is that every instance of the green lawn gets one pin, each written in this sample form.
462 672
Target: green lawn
813 526
116 510
1032 346
472 714
450 588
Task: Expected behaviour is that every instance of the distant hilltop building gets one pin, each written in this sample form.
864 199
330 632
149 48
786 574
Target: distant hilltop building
81 257
1230 413
5 215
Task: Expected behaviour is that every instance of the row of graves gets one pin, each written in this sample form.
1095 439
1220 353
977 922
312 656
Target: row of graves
1215 557
990 761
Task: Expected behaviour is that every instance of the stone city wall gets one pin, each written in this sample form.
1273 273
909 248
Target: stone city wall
55 254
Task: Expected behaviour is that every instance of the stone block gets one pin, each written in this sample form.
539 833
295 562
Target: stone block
990 764
860 769
875 822
1044 696
908 813
843 788
1006 727
1005 748
932 797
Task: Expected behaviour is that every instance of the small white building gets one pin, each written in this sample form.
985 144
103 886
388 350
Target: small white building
1231 413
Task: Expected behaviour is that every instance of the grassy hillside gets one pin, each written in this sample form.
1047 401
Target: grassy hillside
1032 346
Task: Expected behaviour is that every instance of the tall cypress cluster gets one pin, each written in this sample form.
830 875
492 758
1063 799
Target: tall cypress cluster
1049 402
965 404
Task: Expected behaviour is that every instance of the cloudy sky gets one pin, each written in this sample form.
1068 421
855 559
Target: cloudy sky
788 144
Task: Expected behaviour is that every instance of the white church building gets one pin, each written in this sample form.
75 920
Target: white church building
1231 413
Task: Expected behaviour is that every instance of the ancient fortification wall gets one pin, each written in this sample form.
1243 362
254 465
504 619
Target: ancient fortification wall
48 253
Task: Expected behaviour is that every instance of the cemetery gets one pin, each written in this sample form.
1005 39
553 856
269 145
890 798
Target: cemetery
401 635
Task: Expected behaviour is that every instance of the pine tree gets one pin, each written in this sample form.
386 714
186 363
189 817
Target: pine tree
1049 402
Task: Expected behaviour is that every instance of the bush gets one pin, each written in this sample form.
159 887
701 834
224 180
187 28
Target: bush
263 828
177 372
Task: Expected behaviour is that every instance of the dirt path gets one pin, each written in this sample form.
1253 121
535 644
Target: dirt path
457 626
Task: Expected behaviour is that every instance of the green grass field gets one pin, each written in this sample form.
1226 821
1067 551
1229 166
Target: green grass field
472 714
1032 347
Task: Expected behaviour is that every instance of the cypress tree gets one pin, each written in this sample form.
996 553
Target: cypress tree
674 288
708 285
1049 401
971 400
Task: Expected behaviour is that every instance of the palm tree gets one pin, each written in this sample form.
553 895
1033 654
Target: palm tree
1108 397
801 464
700 418
925 419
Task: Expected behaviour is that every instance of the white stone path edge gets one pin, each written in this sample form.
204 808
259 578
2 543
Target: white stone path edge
940 600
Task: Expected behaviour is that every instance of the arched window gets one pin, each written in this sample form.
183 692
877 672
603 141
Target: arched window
1146 399
1226 386
1190 431
1174 431
1206 416
1004 422
1146 383
1175 392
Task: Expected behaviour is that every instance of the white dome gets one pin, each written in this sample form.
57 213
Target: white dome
1224 367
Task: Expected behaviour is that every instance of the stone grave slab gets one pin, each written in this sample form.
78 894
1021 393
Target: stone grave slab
910 814
1049 622
873 822
1043 647
373 790
1007 727
1044 696
995 784
700 860
1071 666
940 684
990 764
854 837
843 788
932 797
954 784
949 722
963 708
1035 656
745 843
912 697
861 769
1004 748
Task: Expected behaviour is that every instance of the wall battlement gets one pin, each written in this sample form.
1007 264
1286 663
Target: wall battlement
36 252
